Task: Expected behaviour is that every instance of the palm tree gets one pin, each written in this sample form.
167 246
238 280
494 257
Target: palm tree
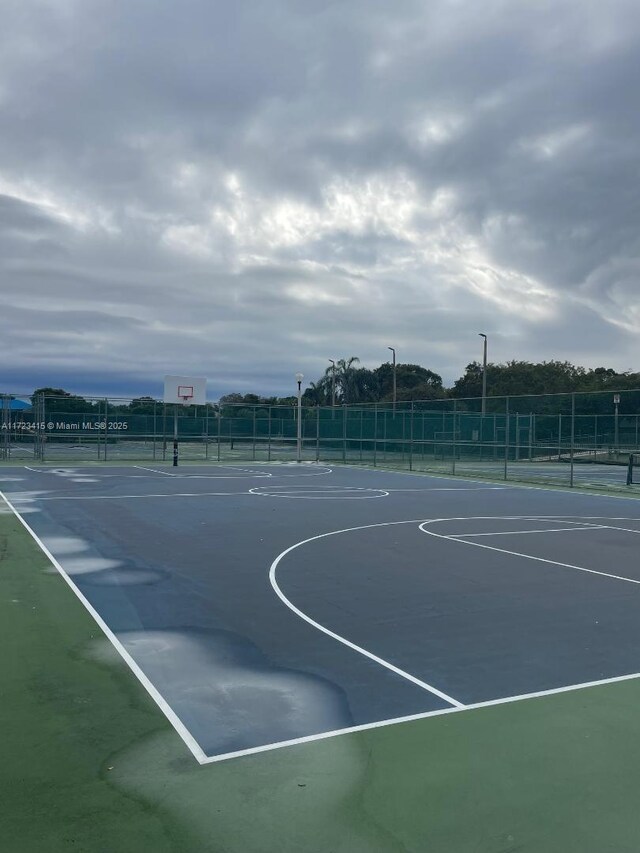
318 393
346 386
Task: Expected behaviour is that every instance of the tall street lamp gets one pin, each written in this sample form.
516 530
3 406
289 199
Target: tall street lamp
484 373
394 379
299 378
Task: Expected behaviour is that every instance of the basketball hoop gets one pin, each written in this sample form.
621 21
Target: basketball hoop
185 393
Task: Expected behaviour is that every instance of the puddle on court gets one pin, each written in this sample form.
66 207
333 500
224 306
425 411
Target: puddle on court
227 693
63 545
103 651
311 796
79 559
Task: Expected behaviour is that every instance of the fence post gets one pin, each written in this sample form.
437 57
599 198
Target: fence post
206 431
453 445
573 432
6 423
495 435
219 429
164 431
559 436
506 439
344 433
317 433
375 433
44 421
35 429
106 429
411 439
155 431
254 433
384 434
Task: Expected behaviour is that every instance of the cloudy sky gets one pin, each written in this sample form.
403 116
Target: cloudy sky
241 190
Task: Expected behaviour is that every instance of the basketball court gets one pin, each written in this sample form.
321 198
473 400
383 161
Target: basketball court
263 605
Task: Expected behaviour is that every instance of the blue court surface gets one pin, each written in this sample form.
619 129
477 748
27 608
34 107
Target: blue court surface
264 604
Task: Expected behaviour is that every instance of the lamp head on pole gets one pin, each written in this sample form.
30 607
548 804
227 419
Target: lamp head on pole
299 377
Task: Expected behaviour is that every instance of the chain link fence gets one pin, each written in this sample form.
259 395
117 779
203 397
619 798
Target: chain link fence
558 439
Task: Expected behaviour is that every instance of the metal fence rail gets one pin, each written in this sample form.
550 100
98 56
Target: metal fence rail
562 439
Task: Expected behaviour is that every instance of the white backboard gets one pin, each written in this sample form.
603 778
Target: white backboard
193 388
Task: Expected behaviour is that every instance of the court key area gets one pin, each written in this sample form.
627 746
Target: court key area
267 604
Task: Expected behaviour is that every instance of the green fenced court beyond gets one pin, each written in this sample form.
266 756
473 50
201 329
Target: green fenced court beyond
559 439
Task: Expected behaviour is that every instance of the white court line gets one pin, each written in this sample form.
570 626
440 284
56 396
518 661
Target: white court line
272 578
623 529
154 470
322 470
583 518
454 489
212 476
520 532
610 526
92 471
509 483
195 749
61 471
17 499
186 476
540 694
519 554
317 493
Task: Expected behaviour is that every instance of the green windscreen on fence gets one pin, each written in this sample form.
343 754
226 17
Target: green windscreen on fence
558 439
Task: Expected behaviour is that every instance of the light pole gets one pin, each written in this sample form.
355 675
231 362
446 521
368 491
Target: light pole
616 403
484 373
394 379
299 378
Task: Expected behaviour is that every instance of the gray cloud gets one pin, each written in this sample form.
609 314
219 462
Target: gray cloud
244 190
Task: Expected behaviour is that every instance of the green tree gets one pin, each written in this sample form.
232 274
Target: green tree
144 406
413 382
531 386
62 401
365 387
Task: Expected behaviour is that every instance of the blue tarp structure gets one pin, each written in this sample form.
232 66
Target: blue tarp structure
16 405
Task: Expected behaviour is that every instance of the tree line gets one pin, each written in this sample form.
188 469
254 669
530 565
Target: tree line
348 383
